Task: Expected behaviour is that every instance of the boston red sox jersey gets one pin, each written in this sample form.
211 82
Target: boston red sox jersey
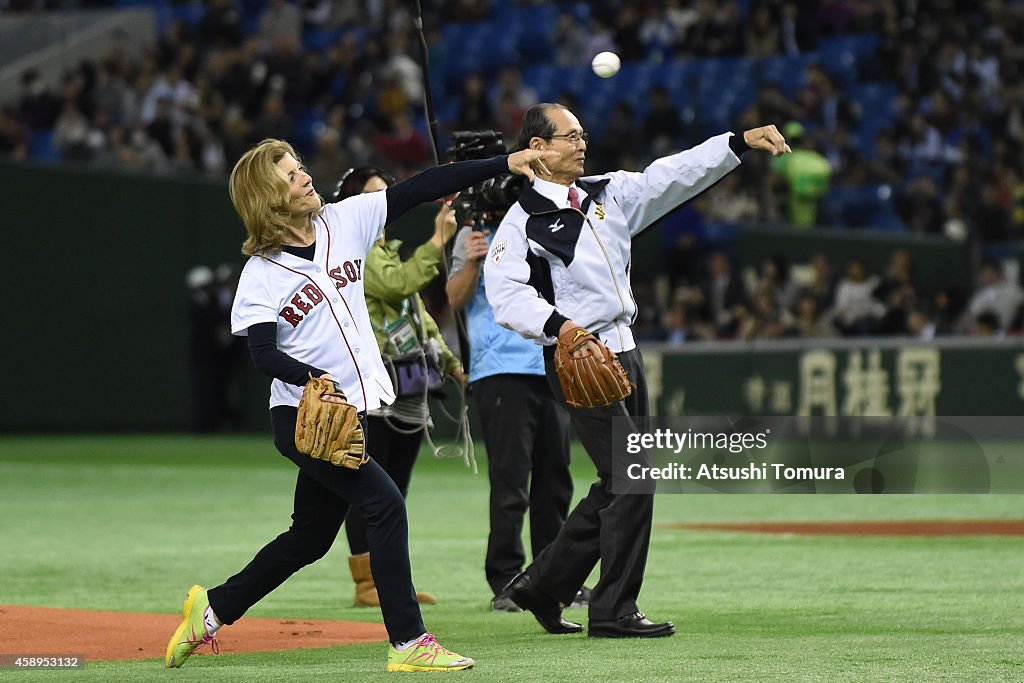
318 305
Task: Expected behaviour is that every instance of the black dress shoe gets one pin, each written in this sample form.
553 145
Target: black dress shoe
630 626
545 610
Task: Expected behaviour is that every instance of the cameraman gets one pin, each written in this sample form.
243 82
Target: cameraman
526 431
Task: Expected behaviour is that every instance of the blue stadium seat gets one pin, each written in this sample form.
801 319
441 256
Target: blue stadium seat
788 71
319 39
869 206
40 147
305 128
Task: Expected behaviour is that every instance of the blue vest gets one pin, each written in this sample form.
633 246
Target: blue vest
495 350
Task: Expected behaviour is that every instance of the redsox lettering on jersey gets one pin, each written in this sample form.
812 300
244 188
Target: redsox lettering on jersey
318 305
309 296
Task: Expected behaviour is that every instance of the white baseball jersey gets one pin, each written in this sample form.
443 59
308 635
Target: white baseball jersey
319 305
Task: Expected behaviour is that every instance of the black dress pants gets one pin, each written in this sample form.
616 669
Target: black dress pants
395 451
526 432
614 529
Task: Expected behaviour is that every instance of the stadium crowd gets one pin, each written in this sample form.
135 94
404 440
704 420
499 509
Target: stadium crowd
942 155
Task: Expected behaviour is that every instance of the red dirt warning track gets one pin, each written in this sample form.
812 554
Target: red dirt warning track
129 635
979 527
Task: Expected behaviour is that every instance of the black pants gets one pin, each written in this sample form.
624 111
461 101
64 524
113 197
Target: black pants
615 529
396 452
526 431
323 495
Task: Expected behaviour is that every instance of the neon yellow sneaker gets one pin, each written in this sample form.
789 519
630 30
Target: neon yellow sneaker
193 632
426 655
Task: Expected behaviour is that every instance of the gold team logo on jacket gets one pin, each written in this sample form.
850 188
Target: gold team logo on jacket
599 210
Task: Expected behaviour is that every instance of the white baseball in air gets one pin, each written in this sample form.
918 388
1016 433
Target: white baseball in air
606 64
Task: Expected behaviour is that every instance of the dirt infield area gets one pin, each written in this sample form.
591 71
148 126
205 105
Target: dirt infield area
44 630
980 527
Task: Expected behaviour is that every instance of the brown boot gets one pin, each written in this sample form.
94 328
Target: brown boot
366 589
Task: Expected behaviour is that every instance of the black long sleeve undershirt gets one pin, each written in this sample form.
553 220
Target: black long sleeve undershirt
274 362
440 181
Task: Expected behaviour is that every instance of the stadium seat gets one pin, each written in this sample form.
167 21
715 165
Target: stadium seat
40 147
788 71
319 39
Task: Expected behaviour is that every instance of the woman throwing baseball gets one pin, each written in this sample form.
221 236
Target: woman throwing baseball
300 302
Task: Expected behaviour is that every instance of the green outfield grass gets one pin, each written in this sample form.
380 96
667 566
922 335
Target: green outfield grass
128 523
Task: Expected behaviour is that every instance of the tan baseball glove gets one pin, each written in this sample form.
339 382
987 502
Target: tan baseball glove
327 430
592 379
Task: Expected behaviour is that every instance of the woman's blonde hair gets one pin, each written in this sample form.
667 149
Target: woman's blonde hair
260 192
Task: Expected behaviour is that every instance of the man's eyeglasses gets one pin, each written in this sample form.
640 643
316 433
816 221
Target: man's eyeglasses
574 137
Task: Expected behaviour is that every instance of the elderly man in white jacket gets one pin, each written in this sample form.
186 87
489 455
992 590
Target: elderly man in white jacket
561 257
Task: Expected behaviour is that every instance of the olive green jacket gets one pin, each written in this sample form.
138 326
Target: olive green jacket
388 281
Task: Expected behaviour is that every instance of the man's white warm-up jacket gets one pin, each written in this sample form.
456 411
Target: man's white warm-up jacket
549 262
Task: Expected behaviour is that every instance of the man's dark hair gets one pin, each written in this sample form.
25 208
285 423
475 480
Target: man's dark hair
536 124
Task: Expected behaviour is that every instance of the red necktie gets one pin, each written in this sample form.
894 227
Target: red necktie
574 198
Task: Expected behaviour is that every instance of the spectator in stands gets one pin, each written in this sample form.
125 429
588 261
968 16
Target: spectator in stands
992 212
38 108
996 295
722 293
809 322
331 160
663 125
730 202
400 66
856 310
466 10
762 34
14 136
627 33
403 145
620 135
766 319
71 135
510 84
657 33
918 206
799 34
221 25
475 111
823 281
824 104
884 165
281 19
599 38
273 117
920 326
677 331
806 173
682 237
897 293
568 40
987 325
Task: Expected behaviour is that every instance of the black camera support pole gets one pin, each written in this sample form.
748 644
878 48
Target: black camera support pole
428 103
428 100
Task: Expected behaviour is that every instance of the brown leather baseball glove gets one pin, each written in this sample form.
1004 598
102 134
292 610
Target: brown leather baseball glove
592 379
326 430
